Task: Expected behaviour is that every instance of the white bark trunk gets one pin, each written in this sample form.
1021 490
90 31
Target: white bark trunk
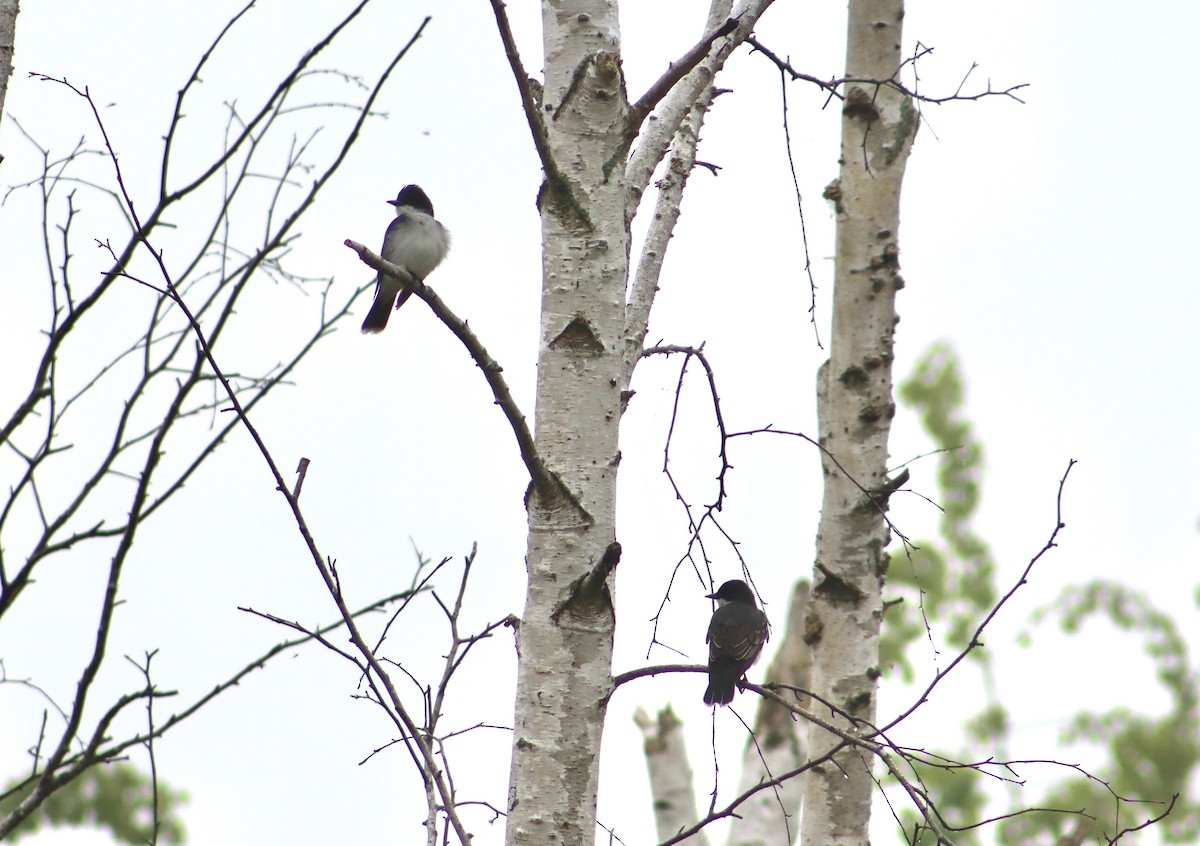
585 361
672 782
565 639
8 35
855 407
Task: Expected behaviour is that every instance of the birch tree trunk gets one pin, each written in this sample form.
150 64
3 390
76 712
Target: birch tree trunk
855 409
565 639
590 342
8 37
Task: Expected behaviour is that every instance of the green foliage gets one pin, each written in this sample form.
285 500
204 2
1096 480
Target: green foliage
948 586
117 798
987 724
1151 757
948 582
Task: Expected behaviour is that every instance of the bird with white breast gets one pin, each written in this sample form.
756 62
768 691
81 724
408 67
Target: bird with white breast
416 241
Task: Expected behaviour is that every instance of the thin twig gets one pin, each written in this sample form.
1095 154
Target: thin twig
975 642
832 85
530 103
546 482
679 68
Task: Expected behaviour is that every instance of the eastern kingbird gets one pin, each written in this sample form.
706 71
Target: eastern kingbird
416 242
735 638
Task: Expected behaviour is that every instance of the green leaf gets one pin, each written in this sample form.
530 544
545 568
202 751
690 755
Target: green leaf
117 798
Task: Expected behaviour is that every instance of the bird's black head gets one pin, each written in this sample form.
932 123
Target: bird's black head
413 197
733 591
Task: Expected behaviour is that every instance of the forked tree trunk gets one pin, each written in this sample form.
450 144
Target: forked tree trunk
566 632
590 342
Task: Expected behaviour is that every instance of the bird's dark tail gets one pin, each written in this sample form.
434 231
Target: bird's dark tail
719 692
381 310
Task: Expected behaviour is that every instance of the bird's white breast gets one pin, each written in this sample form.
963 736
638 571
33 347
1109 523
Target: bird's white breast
417 242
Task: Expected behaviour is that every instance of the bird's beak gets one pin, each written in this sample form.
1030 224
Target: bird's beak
710 596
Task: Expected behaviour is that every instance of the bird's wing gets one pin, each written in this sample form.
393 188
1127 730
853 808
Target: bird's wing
740 642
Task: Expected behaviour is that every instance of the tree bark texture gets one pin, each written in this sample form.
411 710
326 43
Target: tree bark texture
855 410
566 633
8 37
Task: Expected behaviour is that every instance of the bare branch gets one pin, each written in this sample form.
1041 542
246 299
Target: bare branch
59 767
662 226
975 642
547 484
698 354
680 68
787 143
76 764
685 93
833 85
531 101
877 498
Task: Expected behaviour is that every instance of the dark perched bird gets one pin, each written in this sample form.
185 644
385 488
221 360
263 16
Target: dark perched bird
415 241
735 639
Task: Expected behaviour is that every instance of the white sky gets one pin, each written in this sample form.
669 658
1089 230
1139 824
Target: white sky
1050 243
